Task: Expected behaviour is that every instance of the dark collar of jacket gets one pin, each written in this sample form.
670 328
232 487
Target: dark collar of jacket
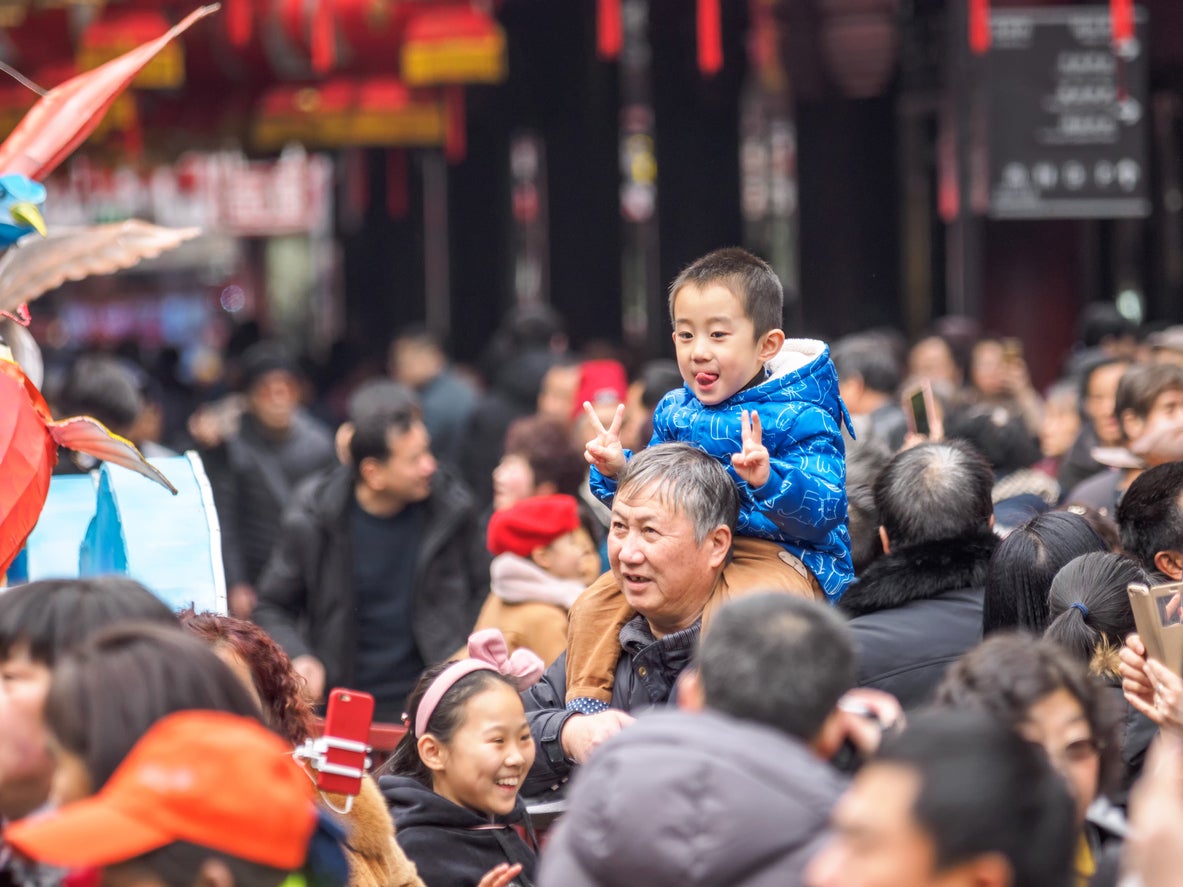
920 573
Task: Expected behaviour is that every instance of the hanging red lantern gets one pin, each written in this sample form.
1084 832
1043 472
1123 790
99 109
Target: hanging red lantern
322 39
1121 17
609 29
979 26
710 37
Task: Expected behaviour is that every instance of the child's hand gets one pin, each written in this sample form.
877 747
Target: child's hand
751 463
605 450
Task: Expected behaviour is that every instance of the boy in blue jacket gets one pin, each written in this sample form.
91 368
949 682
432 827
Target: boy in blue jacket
769 410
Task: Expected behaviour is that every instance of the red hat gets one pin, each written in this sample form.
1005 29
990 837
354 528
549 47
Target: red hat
600 381
208 778
532 523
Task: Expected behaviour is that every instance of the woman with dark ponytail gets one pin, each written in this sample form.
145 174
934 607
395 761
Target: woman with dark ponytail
1090 618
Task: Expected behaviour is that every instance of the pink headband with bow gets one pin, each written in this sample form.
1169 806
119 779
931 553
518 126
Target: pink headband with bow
487 651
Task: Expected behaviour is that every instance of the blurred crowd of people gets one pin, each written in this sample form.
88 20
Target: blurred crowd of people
948 689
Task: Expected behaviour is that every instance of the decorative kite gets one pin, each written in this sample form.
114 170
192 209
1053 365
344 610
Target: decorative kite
29 435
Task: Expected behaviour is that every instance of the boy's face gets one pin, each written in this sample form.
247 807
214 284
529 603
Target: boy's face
717 347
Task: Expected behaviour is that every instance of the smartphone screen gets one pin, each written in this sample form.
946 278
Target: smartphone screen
920 413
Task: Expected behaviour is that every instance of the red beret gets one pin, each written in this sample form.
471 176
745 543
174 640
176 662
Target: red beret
532 523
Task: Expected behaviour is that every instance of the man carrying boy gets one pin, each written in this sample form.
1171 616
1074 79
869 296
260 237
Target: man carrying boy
769 410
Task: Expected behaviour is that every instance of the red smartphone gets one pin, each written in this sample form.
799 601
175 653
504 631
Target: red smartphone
346 741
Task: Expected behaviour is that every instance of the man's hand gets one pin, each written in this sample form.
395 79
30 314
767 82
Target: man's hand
501 875
583 734
241 600
605 450
313 672
751 462
866 732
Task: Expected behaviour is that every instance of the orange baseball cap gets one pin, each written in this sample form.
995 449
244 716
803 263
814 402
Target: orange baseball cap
209 778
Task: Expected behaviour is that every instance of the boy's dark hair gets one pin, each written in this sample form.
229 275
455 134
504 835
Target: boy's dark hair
777 660
177 865
1090 608
870 357
49 617
748 277
1023 566
112 688
1008 673
1149 514
984 790
1142 384
933 492
376 408
446 719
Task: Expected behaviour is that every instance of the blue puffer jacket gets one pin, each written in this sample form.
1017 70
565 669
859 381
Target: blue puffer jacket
803 504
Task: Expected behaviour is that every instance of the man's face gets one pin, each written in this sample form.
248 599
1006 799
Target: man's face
405 476
26 768
876 841
1165 416
665 575
556 399
273 400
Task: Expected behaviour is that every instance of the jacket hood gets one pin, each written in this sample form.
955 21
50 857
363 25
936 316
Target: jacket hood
919 573
517 580
688 800
800 371
414 804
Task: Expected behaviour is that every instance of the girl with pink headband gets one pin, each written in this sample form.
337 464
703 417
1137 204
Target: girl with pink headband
453 788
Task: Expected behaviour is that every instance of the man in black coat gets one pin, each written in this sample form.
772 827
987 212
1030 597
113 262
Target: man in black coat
379 570
918 607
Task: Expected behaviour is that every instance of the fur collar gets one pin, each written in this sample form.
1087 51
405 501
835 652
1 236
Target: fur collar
920 573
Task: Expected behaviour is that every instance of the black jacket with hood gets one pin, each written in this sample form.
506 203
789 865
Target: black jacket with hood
451 845
306 592
917 610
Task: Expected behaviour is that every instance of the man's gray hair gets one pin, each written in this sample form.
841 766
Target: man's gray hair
685 479
933 492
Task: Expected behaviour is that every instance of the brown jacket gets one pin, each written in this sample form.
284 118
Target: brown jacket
534 625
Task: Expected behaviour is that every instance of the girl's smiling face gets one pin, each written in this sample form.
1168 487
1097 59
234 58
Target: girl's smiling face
483 765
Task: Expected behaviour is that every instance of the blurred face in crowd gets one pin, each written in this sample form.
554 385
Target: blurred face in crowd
26 768
665 574
1100 397
1166 414
988 368
556 398
931 359
405 475
273 400
1059 724
1061 425
715 342
413 363
877 842
571 556
513 481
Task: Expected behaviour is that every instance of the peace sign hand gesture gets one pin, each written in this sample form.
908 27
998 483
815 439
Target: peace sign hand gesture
751 462
605 450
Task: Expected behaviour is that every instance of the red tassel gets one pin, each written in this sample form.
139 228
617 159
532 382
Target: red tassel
238 22
979 26
609 29
456 137
1121 16
710 37
397 201
322 42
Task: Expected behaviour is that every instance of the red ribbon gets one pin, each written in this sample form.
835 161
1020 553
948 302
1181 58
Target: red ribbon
456 135
238 22
322 41
979 26
397 200
710 37
1121 17
609 29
